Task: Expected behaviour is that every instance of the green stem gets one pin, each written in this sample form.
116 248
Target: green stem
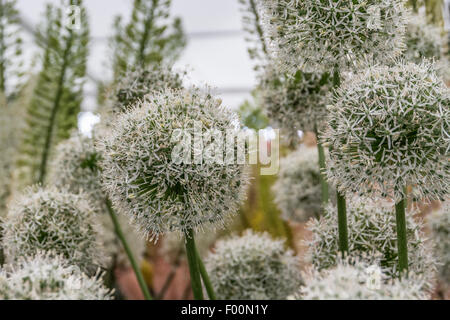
322 178
401 236
133 262
342 223
191 253
205 277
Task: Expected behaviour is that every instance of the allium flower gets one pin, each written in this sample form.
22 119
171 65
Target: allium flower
297 190
253 266
173 246
297 102
135 85
51 220
439 222
75 168
372 239
389 128
315 35
424 40
47 276
351 282
158 192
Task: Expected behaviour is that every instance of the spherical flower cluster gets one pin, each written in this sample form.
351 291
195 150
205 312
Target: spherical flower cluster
173 247
52 220
388 128
47 276
150 176
439 222
314 35
372 239
253 266
135 85
353 282
297 190
75 168
295 102
423 40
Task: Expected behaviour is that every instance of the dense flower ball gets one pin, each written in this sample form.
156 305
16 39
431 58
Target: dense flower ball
253 266
372 239
439 223
353 282
315 35
424 40
388 128
75 168
297 102
297 189
135 85
149 177
52 220
49 277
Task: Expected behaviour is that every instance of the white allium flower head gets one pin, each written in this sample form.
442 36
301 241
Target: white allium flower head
295 102
52 220
372 239
173 246
388 127
439 223
350 281
314 35
136 84
253 266
423 40
297 190
48 276
159 193
75 168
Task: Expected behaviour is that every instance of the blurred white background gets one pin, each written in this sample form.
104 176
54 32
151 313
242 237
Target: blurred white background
216 52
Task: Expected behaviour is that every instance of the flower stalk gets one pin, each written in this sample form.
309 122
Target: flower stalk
133 262
401 236
205 277
191 253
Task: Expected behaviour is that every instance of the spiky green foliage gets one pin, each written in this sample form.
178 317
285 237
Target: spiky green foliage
251 20
149 38
10 49
53 111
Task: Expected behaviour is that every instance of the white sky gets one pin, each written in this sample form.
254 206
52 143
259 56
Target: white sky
220 60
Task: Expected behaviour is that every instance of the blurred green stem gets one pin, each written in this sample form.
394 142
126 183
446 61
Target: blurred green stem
205 277
133 262
191 253
342 223
401 236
